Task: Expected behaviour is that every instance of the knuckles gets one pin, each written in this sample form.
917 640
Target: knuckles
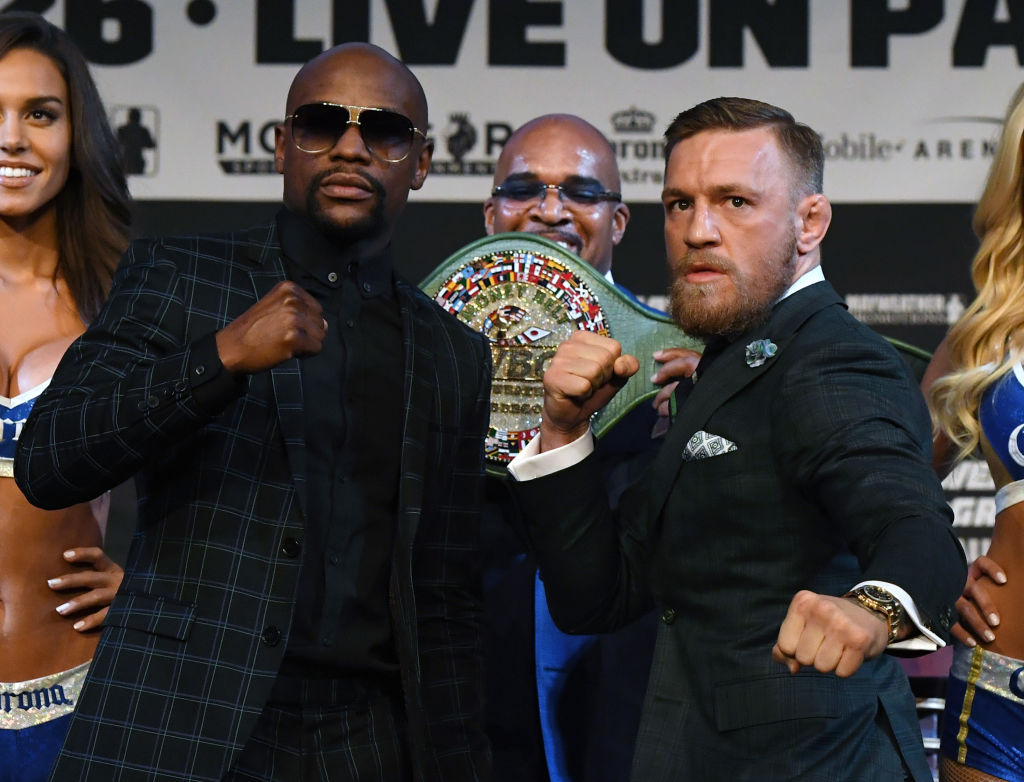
804 601
858 638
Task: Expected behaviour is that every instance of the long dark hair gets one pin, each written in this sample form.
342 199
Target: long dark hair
93 208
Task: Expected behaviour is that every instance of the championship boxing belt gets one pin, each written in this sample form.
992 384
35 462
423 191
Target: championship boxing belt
527 294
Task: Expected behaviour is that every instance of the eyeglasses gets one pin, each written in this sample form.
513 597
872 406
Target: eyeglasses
316 127
528 192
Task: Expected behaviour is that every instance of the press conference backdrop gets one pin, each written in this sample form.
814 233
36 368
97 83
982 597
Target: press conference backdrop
907 94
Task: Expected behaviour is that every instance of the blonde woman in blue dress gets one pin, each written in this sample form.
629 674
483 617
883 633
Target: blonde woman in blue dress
976 391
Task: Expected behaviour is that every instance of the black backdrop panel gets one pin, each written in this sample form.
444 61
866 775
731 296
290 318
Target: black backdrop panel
874 249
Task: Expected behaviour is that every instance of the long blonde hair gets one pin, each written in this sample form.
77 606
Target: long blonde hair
987 340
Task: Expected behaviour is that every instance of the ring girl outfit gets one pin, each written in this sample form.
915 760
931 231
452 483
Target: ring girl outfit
34 714
984 716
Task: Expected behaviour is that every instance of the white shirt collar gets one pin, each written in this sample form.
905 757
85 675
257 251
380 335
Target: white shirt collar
805 280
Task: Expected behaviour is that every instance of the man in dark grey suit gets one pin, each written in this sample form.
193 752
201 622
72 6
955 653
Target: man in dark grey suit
301 599
791 527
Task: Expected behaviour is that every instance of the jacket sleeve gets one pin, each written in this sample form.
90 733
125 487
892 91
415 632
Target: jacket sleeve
595 562
858 443
128 388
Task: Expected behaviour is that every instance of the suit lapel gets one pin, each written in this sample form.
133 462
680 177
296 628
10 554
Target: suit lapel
726 377
285 378
417 391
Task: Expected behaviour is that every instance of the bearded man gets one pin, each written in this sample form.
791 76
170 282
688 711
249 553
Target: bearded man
791 529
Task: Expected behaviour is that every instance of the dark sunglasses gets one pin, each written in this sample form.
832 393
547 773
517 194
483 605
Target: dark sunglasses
529 192
316 127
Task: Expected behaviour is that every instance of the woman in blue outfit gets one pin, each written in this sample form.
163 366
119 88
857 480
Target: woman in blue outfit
64 222
977 402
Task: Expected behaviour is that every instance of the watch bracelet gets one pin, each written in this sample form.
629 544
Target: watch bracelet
893 620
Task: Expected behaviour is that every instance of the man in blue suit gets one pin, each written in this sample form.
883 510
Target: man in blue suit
563 706
790 529
301 599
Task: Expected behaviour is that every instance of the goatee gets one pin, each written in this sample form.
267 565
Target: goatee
345 233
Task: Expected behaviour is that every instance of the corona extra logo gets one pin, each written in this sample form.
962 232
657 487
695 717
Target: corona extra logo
633 120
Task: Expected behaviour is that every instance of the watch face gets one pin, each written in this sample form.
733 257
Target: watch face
525 303
879 594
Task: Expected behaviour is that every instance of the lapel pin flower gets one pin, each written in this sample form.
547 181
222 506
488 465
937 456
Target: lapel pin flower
759 351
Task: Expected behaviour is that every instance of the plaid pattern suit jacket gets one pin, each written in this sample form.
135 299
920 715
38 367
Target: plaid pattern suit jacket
195 636
830 484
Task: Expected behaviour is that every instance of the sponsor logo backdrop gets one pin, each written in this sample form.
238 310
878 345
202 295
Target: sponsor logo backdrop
907 95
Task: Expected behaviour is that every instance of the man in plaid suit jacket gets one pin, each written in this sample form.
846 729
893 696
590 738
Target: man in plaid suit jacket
203 377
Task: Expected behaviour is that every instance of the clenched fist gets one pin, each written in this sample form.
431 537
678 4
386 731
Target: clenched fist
286 323
832 634
586 372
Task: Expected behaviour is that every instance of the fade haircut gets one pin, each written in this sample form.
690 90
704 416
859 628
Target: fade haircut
798 142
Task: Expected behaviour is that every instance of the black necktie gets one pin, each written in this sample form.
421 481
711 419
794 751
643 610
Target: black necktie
712 350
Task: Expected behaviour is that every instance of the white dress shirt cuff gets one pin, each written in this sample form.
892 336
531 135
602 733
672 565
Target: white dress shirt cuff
530 463
925 640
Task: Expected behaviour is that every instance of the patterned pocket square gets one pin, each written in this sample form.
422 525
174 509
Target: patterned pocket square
704 445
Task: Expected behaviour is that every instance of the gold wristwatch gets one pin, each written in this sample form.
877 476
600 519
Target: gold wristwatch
881 601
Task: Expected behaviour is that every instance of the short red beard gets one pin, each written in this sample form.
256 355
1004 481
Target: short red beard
729 306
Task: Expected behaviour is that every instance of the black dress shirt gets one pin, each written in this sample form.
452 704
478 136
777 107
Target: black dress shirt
352 399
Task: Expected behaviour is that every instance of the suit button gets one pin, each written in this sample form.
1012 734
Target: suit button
291 547
153 401
271 635
181 386
199 370
668 616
